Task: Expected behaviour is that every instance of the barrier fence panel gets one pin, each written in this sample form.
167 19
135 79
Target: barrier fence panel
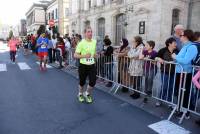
149 77
190 101
164 81
73 62
107 69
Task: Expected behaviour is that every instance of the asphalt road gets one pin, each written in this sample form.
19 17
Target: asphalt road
34 102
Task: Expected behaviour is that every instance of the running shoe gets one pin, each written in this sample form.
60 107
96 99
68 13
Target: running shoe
89 99
41 69
81 98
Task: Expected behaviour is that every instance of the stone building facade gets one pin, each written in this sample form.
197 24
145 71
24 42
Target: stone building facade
151 19
40 14
35 17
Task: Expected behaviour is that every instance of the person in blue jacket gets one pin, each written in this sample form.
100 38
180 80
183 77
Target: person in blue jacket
184 58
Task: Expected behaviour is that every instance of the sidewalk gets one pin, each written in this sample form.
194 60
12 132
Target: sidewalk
162 112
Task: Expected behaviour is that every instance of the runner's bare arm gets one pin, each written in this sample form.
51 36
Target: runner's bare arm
79 56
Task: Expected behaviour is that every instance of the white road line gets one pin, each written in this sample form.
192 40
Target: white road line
3 67
23 66
168 127
48 66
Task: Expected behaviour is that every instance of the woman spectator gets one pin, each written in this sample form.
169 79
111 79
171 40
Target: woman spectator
167 70
50 48
136 65
108 58
185 58
60 50
123 65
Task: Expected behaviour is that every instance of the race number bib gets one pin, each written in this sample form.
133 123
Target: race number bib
89 61
43 46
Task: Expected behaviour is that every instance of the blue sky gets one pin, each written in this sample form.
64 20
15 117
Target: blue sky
11 11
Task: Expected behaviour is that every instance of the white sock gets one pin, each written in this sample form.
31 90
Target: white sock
86 93
80 94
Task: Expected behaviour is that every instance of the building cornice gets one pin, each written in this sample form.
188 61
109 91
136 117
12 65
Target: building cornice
34 6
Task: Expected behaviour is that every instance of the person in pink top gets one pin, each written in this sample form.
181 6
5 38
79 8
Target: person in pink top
12 44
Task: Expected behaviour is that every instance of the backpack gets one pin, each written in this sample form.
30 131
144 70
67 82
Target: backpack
196 61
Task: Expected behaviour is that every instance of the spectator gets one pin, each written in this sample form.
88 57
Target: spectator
149 67
184 58
67 50
60 50
50 48
108 58
196 93
54 41
121 53
167 70
136 65
178 29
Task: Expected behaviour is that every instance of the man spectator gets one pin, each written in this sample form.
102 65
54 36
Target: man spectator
178 30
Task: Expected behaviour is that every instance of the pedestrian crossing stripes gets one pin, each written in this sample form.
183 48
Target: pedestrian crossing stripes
46 65
21 65
3 67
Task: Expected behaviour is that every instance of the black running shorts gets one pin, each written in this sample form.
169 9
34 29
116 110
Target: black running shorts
87 71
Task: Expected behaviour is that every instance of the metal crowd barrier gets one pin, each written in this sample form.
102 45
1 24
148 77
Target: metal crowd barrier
146 76
190 95
72 62
150 78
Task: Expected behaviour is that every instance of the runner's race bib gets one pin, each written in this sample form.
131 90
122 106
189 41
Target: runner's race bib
89 61
43 46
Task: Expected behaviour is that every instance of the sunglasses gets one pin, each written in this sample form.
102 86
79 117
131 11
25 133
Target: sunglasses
181 35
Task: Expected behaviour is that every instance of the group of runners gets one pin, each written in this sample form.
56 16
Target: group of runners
85 52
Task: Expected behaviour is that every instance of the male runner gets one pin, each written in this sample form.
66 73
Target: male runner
86 52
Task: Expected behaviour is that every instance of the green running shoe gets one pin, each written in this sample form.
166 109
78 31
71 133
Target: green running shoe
89 99
81 98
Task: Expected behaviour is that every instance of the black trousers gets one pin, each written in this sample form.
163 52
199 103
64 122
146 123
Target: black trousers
50 54
87 71
12 55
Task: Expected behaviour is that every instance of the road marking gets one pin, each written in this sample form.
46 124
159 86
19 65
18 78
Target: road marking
168 127
3 67
48 66
23 66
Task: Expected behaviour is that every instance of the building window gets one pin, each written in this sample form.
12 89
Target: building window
56 17
101 28
175 19
49 16
52 14
66 12
120 28
104 2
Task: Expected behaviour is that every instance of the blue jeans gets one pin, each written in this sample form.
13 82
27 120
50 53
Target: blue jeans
167 86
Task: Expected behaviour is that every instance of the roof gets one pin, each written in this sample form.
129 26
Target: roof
37 5
51 2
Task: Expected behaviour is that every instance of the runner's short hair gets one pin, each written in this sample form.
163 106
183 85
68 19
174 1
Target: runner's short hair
88 27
